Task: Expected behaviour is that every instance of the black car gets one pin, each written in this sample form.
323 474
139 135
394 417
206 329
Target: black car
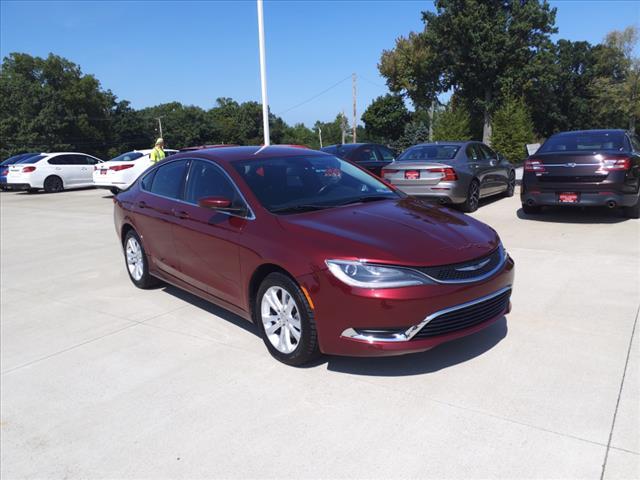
584 168
371 156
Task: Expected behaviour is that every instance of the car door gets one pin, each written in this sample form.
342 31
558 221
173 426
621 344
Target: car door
479 166
208 239
368 157
498 171
87 170
154 214
62 166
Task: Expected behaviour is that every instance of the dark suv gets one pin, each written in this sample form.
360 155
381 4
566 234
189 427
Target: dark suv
584 168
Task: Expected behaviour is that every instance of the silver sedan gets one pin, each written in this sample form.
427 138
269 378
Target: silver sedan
459 173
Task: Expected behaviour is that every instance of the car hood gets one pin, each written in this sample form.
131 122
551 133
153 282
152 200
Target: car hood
403 232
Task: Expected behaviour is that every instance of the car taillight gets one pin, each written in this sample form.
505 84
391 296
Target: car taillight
28 169
117 168
611 164
448 173
533 165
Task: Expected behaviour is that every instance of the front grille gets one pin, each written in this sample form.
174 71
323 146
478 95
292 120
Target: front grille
458 272
573 179
465 317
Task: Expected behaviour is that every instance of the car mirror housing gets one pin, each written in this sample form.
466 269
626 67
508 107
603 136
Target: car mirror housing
215 203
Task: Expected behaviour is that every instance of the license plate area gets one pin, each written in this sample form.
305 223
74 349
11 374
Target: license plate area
103 172
412 174
568 197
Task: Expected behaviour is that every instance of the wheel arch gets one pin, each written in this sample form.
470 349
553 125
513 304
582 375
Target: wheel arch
256 280
53 175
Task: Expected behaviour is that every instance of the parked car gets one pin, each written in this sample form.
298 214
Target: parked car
371 156
4 167
584 168
202 147
459 173
52 172
120 172
321 255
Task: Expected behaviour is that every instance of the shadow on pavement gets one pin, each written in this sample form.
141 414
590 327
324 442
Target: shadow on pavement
575 215
212 309
440 357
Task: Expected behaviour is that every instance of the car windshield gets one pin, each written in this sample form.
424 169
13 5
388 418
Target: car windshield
584 141
126 157
429 152
295 184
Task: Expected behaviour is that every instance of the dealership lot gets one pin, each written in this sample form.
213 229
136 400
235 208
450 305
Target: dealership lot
100 379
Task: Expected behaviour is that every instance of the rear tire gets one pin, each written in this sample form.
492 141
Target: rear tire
285 320
473 197
135 258
633 211
531 209
53 184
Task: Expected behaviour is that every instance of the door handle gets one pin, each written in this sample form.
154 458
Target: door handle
180 214
142 204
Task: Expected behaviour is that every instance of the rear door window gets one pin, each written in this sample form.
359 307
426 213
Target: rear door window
474 154
366 154
62 160
386 154
168 179
487 152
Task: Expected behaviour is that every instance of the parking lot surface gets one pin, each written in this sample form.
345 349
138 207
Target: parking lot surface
102 380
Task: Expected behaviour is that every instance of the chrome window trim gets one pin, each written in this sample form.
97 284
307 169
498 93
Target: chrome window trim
188 160
413 331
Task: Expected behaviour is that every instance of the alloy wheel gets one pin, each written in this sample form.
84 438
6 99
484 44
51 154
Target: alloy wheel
135 262
474 195
281 319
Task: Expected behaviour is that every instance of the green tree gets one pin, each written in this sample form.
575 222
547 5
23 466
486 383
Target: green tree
49 104
385 118
415 132
332 132
452 123
512 129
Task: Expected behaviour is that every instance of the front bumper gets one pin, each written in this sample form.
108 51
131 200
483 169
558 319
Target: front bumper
342 312
586 199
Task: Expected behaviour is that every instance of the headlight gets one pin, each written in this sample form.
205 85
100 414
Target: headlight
359 274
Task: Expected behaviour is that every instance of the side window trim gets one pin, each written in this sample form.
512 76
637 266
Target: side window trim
182 183
250 216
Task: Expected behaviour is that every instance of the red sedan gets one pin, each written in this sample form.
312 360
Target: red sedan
321 255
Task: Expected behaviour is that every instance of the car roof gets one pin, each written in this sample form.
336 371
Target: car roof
456 142
233 154
601 130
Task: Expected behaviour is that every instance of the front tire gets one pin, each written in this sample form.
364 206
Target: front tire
285 320
53 184
511 185
136 261
473 198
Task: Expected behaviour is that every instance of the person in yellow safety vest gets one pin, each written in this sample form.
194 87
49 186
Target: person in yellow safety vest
157 153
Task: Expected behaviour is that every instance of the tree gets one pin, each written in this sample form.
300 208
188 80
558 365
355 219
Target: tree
332 132
385 118
452 123
415 132
49 104
512 129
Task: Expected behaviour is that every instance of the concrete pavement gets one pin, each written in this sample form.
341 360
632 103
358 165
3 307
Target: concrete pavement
102 380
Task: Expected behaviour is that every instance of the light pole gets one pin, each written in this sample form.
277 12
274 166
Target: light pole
320 136
263 75
160 126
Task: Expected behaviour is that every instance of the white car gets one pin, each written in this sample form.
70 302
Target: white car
120 172
52 172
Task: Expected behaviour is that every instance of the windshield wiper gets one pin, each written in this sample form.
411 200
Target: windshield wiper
299 208
367 198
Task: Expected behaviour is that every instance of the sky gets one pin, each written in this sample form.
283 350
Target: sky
151 52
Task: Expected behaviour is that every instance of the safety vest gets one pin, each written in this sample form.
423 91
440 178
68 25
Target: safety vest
156 155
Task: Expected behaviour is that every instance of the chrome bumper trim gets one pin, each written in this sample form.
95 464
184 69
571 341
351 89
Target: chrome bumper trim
412 331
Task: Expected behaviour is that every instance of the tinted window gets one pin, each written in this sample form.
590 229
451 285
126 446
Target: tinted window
474 153
91 160
584 141
62 160
635 141
488 153
342 151
366 154
208 180
147 180
168 179
127 157
429 152
387 155
291 184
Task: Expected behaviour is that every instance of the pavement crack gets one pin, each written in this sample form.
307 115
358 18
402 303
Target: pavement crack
615 412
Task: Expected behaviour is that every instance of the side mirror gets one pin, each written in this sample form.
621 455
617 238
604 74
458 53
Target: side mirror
215 203
221 203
